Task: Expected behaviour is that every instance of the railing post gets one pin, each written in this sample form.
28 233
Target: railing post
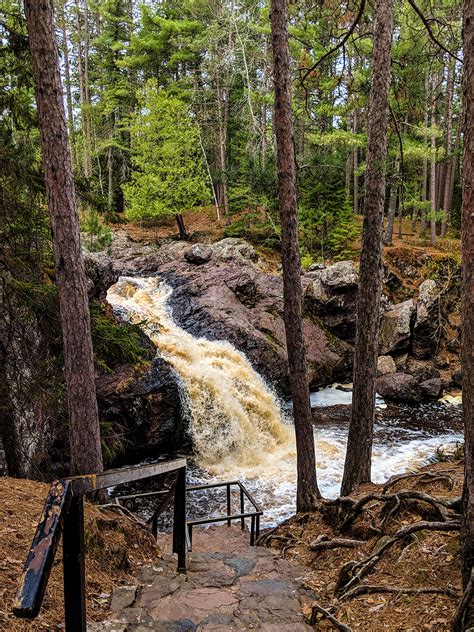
242 520
252 531
74 567
228 504
179 522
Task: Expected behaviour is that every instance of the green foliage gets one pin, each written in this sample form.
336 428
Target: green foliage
116 343
255 229
327 224
168 175
99 236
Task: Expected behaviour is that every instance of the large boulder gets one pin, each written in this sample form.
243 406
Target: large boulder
101 273
422 371
399 387
432 388
198 254
386 365
427 325
230 298
395 328
331 296
143 404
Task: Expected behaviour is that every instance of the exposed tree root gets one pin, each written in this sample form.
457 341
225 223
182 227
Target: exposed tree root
352 572
337 624
423 477
354 508
369 589
323 543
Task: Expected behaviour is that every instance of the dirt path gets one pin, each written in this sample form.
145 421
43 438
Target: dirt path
229 586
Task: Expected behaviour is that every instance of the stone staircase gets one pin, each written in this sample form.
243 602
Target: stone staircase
229 586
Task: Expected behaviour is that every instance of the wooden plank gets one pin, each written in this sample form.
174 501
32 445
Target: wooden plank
43 549
112 478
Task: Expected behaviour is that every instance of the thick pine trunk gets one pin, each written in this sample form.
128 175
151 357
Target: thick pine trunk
467 531
307 488
359 448
84 430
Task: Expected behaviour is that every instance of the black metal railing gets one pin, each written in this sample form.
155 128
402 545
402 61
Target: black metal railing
229 517
63 513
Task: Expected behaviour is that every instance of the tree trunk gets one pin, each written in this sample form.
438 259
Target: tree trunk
449 133
359 447
183 233
433 178
355 124
392 205
222 109
307 488
82 55
84 430
424 187
453 164
467 529
67 75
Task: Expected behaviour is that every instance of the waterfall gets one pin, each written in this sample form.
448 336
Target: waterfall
234 417
236 422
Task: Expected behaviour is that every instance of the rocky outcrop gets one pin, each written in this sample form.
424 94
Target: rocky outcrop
426 331
198 254
230 298
331 296
395 329
142 406
101 273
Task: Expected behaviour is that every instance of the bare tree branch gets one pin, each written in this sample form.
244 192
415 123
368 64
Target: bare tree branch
430 32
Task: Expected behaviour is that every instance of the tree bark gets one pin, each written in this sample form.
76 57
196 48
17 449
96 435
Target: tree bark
449 133
424 184
84 430
307 488
67 76
467 529
82 64
392 206
433 171
355 124
359 448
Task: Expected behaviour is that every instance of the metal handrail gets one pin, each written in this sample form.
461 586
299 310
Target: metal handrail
244 493
63 512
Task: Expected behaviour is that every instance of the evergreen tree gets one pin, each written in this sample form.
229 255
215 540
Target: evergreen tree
168 176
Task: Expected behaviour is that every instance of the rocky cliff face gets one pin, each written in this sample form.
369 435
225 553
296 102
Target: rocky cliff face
220 293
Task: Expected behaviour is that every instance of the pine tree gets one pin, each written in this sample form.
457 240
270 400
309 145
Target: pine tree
168 176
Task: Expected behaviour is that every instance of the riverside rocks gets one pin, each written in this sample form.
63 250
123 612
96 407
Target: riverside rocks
386 365
399 387
331 295
395 330
427 323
